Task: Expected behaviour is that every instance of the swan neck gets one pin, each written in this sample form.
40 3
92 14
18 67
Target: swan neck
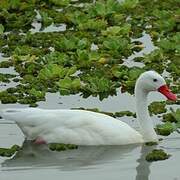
145 122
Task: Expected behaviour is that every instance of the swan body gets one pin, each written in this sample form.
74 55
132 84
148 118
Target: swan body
90 128
74 127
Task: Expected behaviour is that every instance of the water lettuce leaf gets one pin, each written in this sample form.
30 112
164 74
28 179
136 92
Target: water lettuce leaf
98 86
157 155
59 58
45 19
53 71
129 4
157 107
165 129
1 29
93 24
104 9
69 86
60 3
176 115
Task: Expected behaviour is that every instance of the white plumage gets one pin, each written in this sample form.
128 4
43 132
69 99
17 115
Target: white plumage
89 128
72 126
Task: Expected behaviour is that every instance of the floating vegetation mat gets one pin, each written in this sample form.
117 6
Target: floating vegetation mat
157 155
8 152
87 56
62 147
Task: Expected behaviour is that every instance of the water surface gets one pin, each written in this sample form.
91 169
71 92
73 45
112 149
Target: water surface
98 162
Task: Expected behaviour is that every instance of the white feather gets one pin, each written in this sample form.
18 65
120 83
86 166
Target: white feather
89 128
72 126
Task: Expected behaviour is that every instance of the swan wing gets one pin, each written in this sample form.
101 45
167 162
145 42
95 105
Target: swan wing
72 126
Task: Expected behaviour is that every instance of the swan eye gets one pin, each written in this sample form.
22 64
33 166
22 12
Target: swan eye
155 80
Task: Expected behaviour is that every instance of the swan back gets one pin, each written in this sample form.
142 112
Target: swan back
73 127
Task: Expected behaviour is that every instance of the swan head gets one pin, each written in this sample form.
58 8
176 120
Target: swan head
152 81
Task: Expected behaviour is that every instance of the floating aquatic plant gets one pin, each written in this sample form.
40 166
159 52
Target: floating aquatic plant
116 114
6 77
45 61
157 155
151 143
61 147
8 152
1 29
157 107
172 123
165 129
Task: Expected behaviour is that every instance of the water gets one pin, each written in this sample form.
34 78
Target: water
99 162
51 28
148 48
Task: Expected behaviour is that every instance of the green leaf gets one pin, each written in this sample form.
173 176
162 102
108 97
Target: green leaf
52 71
171 44
155 56
46 20
8 152
77 17
71 71
68 85
56 57
38 94
61 147
112 30
157 155
165 129
117 30
127 76
134 73
176 115
98 86
93 24
83 43
82 55
157 107
168 117
100 8
104 8
112 6
14 4
60 2
165 20
1 29
130 4
116 43
119 71
67 43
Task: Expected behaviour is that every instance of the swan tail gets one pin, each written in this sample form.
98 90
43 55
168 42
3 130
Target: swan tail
12 114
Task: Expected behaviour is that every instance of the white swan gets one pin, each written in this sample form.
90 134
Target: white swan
89 128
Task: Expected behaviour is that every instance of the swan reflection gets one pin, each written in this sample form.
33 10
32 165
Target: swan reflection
85 157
